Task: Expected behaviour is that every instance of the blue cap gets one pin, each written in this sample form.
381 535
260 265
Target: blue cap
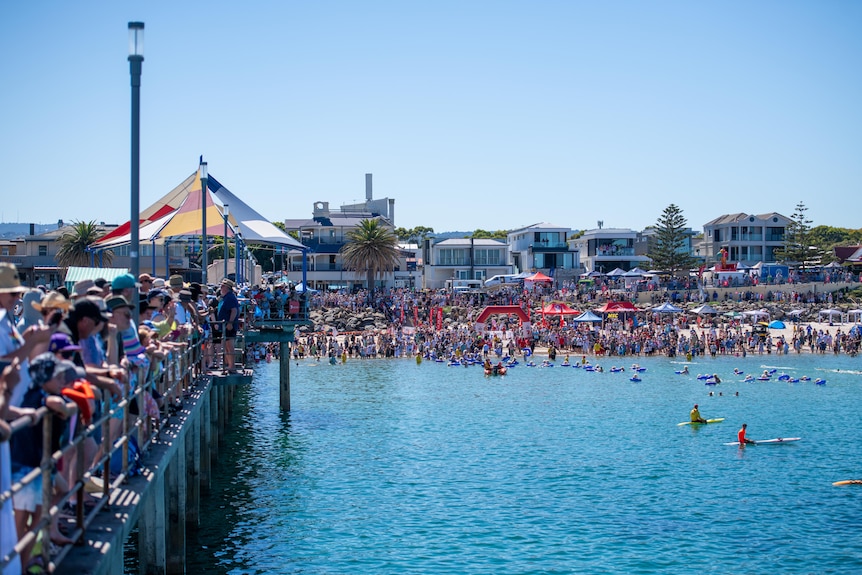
124 281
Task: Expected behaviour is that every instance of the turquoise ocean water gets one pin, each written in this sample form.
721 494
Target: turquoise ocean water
385 466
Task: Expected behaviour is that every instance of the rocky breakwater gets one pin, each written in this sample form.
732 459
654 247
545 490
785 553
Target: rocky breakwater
344 319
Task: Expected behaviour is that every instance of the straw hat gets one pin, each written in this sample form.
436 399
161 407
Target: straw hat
80 288
10 282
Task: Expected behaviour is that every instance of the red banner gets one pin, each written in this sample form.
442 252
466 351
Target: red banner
439 318
402 313
415 316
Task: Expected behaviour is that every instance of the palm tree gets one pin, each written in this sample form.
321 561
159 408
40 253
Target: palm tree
74 243
371 247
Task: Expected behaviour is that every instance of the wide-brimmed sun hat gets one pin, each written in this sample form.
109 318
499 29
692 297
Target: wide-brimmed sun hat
52 300
10 282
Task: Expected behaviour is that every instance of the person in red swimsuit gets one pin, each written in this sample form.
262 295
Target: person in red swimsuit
740 436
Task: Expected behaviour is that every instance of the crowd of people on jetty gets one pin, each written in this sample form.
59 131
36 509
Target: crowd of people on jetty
79 353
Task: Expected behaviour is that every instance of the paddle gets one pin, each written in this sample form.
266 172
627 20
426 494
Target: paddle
849 482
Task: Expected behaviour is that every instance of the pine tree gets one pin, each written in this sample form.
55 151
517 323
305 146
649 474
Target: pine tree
668 251
797 238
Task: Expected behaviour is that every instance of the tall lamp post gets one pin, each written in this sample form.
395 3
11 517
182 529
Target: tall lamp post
136 60
237 237
225 245
204 183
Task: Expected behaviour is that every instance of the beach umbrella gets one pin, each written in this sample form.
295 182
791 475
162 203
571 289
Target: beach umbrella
776 324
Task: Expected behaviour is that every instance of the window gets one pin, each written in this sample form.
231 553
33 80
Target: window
487 257
453 257
43 251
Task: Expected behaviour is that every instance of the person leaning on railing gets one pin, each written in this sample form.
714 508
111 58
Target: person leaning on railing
26 447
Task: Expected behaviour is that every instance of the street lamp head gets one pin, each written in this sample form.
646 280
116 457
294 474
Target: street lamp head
204 174
226 211
136 40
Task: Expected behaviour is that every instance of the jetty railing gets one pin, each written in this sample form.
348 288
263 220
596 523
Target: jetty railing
140 422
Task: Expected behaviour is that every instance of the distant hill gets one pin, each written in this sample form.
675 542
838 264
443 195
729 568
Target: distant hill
449 235
11 231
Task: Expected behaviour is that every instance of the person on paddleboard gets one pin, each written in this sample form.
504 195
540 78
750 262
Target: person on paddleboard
695 415
740 436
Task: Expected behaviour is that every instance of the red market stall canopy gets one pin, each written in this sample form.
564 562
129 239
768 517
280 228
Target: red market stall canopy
617 307
558 309
538 277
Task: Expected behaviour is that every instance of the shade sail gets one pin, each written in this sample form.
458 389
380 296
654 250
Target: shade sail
179 214
164 206
146 233
253 227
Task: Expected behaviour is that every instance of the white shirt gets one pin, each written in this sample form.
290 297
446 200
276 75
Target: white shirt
10 341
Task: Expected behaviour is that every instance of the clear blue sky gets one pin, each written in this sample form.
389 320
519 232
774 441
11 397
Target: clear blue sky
471 114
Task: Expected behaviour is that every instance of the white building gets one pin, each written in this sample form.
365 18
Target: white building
543 247
605 249
464 259
748 239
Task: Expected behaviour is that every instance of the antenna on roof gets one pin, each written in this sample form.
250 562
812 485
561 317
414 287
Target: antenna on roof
600 223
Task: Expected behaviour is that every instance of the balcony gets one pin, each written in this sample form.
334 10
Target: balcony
614 252
541 247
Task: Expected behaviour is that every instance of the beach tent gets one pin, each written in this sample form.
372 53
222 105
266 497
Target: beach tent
854 315
830 313
635 272
300 287
666 308
558 308
705 309
618 307
776 324
733 314
592 274
587 316
616 272
538 277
